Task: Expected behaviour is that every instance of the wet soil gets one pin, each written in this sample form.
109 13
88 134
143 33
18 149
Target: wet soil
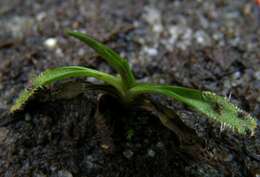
210 45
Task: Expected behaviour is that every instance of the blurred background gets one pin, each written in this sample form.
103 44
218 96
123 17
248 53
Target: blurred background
204 44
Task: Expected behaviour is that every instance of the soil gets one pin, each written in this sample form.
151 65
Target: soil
209 45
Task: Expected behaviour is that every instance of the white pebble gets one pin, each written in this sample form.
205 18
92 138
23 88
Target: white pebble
202 38
151 51
152 15
257 75
40 16
50 43
158 28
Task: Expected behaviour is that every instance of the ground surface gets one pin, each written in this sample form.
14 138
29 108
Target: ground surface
210 45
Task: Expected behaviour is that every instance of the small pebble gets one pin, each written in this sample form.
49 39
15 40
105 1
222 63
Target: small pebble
151 153
89 162
40 16
228 158
236 75
247 10
202 38
53 168
174 32
257 75
81 52
218 36
158 28
181 36
152 15
50 43
128 154
59 52
151 51
64 173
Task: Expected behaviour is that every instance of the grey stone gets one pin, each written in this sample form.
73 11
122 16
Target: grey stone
64 173
150 153
128 154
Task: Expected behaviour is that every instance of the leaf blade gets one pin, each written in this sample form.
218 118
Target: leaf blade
113 59
213 106
51 75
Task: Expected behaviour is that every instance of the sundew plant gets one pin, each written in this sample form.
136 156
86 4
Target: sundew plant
127 89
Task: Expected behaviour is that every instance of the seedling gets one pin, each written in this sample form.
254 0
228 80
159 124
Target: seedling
127 89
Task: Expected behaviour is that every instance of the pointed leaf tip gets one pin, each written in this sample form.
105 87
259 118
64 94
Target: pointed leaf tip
111 57
51 75
213 106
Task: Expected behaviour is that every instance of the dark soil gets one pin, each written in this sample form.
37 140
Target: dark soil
209 45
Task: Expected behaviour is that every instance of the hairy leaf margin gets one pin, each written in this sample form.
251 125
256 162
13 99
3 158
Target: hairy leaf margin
213 106
51 75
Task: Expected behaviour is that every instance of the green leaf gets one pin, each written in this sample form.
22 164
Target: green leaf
113 59
51 75
213 106
23 97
